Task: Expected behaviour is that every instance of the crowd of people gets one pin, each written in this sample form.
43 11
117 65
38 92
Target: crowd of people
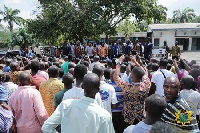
96 90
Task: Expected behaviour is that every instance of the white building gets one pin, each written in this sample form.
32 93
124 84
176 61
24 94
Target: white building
187 34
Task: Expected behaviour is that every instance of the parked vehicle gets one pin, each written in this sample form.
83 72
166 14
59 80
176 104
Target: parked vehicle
2 53
13 53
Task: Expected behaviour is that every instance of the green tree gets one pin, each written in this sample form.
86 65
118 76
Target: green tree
5 36
79 19
22 38
183 17
196 19
126 27
10 16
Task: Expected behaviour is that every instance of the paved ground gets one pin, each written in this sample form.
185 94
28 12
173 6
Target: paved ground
191 56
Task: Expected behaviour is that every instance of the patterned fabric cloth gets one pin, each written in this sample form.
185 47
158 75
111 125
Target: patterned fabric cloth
48 89
178 113
6 120
29 111
134 97
175 51
14 76
103 51
36 80
77 50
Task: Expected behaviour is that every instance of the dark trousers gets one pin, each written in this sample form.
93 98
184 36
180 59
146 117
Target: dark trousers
118 122
175 57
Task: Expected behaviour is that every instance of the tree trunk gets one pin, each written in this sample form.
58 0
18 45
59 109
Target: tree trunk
107 39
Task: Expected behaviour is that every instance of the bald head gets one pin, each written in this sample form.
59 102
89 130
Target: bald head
187 81
24 79
91 83
67 79
171 88
96 58
14 66
172 80
53 71
155 106
98 69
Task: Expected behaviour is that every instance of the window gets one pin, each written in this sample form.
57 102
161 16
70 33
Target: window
156 41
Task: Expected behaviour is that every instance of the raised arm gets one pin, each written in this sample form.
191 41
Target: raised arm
120 83
187 67
176 66
133 60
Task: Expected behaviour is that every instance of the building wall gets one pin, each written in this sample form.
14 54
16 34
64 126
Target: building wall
168 36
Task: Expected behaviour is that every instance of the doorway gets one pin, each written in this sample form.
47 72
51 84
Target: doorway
195 44
184 42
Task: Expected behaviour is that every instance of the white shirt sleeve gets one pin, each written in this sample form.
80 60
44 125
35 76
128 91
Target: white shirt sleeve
53 121
98 99
129 129
114 97
153 79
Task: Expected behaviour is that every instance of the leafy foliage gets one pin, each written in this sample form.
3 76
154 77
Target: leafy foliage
10 16
126 27
183 17
83 19
22 38
5 36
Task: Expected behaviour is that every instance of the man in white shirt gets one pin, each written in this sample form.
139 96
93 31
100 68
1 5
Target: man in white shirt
77 92
72 49
37 50
89 50
158 78
192 97
154 108
83 115
96 61
107 91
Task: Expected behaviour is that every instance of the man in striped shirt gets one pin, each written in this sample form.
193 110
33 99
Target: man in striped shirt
6 116
117 117
178 112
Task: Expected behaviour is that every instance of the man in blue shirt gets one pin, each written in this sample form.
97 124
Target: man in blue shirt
148 49
127 48
116 50
7 67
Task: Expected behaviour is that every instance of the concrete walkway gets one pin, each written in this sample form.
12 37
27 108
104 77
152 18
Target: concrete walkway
189 56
